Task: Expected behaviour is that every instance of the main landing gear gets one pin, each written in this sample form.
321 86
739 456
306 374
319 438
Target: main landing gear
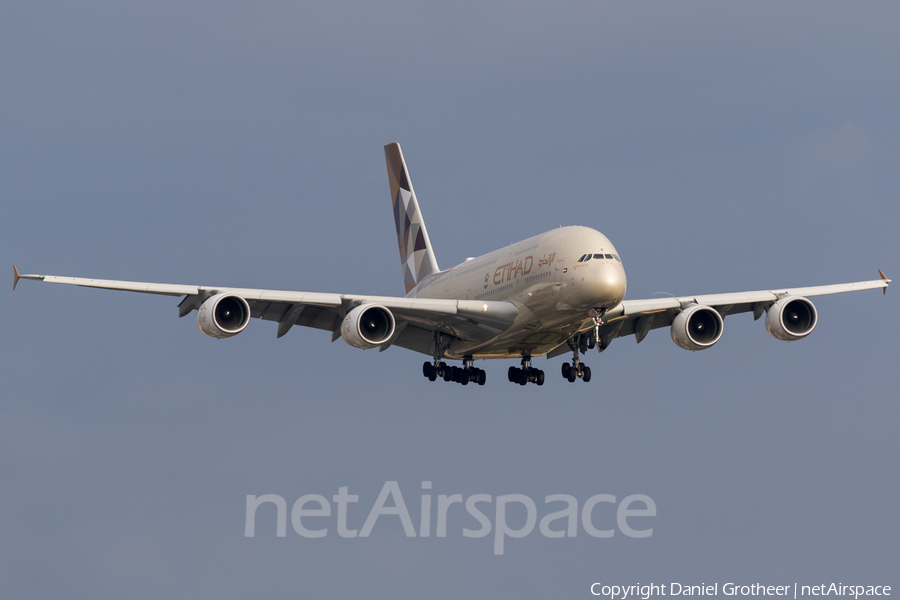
577 369
460 375
526 374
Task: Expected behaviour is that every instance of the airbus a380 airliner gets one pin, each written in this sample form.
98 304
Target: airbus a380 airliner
560 291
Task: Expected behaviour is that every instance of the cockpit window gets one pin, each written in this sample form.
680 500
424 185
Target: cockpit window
582 258
587 257
598 256
608 256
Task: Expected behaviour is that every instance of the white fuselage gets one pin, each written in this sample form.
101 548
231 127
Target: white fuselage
544 278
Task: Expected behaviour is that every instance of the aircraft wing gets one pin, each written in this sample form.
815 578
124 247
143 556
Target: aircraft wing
417 318
638 317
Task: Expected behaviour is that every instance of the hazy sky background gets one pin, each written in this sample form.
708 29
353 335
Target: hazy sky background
721 147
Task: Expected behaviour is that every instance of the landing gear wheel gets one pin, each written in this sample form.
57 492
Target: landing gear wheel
429 371
586 376
512 375
572 375
464 375
565 370
540 378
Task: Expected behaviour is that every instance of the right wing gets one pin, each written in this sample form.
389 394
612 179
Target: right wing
417 318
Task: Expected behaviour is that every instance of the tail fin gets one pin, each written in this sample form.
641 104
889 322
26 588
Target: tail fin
416 256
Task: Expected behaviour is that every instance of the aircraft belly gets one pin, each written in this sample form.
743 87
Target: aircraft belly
528 337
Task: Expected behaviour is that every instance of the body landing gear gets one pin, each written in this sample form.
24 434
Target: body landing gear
526 374
464 375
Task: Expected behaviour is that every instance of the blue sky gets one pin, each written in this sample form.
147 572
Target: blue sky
720 147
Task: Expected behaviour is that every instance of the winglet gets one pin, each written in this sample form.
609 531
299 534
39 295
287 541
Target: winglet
15 277
883 276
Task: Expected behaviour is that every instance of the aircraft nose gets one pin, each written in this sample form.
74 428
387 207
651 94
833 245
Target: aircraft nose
610 284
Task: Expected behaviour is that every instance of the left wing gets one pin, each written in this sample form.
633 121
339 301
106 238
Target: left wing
638 317
417 318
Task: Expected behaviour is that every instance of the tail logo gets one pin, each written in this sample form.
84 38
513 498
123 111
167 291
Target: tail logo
416 256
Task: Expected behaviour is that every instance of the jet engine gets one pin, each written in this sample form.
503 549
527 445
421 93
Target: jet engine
697 327
791 318
368 326
223 315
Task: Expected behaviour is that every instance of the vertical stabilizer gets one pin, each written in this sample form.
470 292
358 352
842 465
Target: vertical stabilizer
416 256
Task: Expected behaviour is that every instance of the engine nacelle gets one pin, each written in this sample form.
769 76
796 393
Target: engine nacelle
697 327
223 315
791 318
368 326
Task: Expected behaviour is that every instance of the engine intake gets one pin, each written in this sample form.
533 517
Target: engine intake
223 315
791 318
697 327
368 326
